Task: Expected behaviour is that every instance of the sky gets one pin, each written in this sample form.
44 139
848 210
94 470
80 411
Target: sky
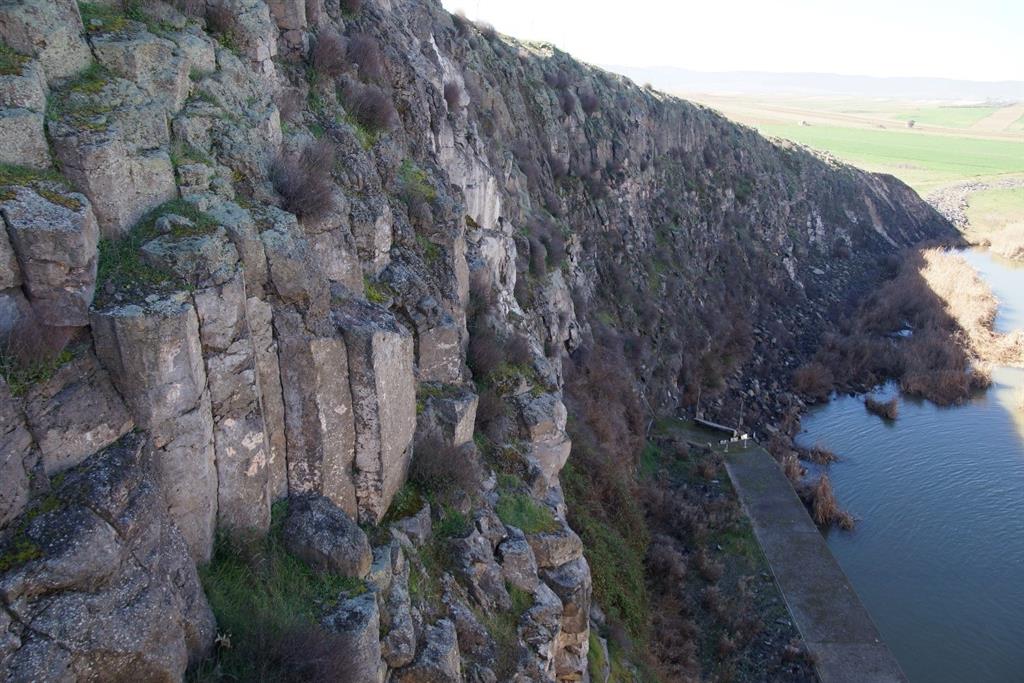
973 39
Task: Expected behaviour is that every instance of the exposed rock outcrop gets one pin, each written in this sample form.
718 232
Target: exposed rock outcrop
298 267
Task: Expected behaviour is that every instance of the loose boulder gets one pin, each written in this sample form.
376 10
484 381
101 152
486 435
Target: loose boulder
320 532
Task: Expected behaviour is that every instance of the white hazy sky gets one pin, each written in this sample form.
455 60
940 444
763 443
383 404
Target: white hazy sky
969 39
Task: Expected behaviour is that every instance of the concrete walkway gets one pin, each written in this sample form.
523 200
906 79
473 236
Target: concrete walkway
837 630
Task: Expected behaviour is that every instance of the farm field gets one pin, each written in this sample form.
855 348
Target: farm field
947 144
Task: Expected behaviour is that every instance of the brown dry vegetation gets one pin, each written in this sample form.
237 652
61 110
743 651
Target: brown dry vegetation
888 410
824 508
1009 242
949 310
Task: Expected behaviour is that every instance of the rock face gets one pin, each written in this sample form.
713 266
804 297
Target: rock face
75 413
263 330
154 356
321 533
56 246
103 552
380 356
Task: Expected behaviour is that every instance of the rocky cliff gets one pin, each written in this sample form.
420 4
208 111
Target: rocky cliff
284 250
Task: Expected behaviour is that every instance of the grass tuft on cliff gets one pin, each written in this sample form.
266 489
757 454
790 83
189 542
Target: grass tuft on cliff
268 605
11 63
121 267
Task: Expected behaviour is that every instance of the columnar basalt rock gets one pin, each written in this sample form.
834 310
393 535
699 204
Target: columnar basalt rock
380 369
108 555
17 454
50 30
154 356
55 238
75 413
318 411
261 354
22 117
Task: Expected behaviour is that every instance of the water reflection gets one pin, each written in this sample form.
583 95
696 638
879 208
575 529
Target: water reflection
938 554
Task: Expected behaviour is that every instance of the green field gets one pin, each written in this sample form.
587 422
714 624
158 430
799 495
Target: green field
952 117
993 210
922 160
947 145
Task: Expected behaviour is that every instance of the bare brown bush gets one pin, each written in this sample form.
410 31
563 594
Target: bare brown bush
290 104
486 30
452 95
588 102
329 55
304 180
888 410
370 107
365 51
440 467
818 454
484 354
825 509
814 380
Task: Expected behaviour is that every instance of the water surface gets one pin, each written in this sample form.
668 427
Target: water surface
938 553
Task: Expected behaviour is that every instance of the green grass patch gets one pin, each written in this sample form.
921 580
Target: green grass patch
453 524
99 18
21 376
992 210
259 593
414 184
503 625
921 159
615 539
522 511
20 175
120 262
79 101
406 503
947 116
431 252
11 63
377 292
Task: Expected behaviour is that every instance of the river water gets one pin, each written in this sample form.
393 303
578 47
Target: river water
938 553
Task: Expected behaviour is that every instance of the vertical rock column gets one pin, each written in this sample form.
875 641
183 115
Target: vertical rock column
240 439
380 364
318 411
154 355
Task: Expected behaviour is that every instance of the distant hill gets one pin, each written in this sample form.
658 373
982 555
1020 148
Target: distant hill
673 79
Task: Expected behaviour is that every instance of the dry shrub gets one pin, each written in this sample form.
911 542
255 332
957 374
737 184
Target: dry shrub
370 107
484 354
825 509
1009 242
330 54
709 569
792 469
365 51
440 467
486 30
290 104
191 8
567 101
304 180
518 351
489 408
818 454
452 95
220 20
557 79
588 102
814 380
351 6
461 22
884 409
